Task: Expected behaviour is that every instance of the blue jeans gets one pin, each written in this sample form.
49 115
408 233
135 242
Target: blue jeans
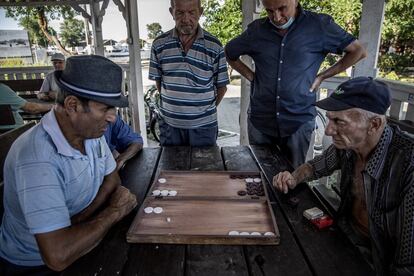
293 147
198 137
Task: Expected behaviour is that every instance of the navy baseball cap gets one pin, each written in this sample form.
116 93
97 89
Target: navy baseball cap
361 92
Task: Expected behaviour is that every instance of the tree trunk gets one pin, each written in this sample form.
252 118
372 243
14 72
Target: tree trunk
41 19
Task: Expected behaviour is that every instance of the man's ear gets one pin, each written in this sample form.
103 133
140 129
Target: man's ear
171 11
375 125
71 104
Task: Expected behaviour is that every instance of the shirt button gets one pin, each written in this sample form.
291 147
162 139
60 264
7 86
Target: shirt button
283 44
278 97
281 61
277 114
278 79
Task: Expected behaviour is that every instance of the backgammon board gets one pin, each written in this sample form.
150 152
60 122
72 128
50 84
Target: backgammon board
215 207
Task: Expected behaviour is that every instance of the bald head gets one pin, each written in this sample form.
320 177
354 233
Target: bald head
172 2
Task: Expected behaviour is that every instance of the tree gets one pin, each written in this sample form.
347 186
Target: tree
36 35
223 19
154 30
42 15
346 13
72 32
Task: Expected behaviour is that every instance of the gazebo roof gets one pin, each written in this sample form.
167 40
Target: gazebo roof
41 2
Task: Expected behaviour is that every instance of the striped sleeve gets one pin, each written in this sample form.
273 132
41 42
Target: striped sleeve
326 163
154 66
221 77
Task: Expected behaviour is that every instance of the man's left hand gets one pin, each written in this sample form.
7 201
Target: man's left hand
120 163
316 83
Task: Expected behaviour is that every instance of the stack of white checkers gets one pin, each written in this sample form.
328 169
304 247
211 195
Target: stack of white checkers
156 210
164 193
237 233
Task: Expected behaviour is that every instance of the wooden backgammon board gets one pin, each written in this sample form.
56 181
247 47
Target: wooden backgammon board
193 207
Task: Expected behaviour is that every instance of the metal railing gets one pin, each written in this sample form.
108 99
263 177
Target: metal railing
402 107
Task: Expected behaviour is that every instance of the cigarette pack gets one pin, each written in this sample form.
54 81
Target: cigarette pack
322 222
313 213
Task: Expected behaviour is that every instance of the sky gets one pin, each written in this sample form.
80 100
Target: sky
113 25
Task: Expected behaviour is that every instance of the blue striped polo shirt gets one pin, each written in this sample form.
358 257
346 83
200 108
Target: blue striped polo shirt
189 81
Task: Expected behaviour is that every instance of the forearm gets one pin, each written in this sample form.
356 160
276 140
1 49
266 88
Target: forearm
158 85
128 154
242 68
47 96
220 94
303 173
108 186
353 53
35 108
58 253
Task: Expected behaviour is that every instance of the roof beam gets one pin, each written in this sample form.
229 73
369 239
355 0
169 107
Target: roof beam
34 3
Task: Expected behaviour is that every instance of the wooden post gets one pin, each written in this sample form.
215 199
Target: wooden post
87 30
136 94
370 36
97 27
248 8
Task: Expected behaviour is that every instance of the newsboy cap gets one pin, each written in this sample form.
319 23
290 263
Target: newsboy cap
361 92
57 56
93 77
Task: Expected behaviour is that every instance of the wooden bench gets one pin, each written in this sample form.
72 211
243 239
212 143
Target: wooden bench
27 90
6 141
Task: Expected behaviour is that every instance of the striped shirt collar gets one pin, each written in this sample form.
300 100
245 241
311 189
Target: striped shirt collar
377 160
200 33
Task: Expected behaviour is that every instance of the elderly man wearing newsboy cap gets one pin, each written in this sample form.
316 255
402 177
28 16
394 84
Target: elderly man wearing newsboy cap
50 88
377 165
61 190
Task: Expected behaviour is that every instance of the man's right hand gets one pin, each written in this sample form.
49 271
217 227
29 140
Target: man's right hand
284 181
122 201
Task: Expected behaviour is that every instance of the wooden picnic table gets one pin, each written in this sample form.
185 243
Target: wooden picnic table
303 250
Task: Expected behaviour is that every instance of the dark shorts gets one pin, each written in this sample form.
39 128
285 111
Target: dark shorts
172 136
294 147
9 269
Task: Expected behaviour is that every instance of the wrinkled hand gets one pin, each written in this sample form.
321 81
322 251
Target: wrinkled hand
284 181
123 201
120 163
43 96
315 85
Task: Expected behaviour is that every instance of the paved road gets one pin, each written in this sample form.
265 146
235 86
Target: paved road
228 112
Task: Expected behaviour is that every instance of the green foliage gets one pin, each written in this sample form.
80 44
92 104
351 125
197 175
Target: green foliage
12 62
51 12
223 19
154 30
396 62
398 26
347 13
72 32
36 36
30 17
391 75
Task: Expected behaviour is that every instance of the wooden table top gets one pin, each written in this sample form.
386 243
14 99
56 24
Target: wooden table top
303 250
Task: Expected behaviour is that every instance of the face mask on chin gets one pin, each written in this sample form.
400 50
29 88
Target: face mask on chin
284 26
